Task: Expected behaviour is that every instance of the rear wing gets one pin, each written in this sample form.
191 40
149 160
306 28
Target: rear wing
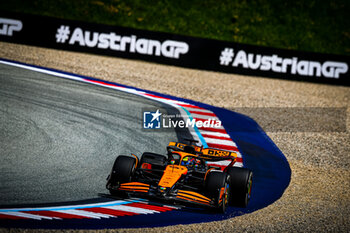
207 153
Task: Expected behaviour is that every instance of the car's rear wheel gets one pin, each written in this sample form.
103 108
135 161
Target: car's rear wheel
122 172
240 184
217 187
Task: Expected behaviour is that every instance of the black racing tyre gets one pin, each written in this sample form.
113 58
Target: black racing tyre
214 182
123 170
240 185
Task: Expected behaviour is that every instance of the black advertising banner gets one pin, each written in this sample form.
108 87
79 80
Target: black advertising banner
175 50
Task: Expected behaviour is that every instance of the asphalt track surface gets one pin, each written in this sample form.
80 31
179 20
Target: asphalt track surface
59 137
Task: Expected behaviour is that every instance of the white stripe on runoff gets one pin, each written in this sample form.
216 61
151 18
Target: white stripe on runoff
220 142
85 214
220 127
56 208
216 134
27 215
132 209
198 110
222 163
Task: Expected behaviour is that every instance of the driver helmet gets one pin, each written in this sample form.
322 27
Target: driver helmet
185 161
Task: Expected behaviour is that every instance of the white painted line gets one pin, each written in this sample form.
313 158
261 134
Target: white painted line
42 70
222 163
198 110
178 102
162 205
204 133
27 215
57 208
220 142
86 214
221 127
131 209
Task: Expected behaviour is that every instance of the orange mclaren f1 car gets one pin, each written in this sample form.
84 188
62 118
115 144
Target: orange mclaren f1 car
183 176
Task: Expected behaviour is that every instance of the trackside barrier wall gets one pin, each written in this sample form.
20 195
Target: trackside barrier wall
174 50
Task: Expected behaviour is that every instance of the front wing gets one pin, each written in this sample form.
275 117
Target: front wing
184 196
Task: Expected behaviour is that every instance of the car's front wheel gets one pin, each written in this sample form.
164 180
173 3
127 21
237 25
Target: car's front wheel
217 187
122 172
